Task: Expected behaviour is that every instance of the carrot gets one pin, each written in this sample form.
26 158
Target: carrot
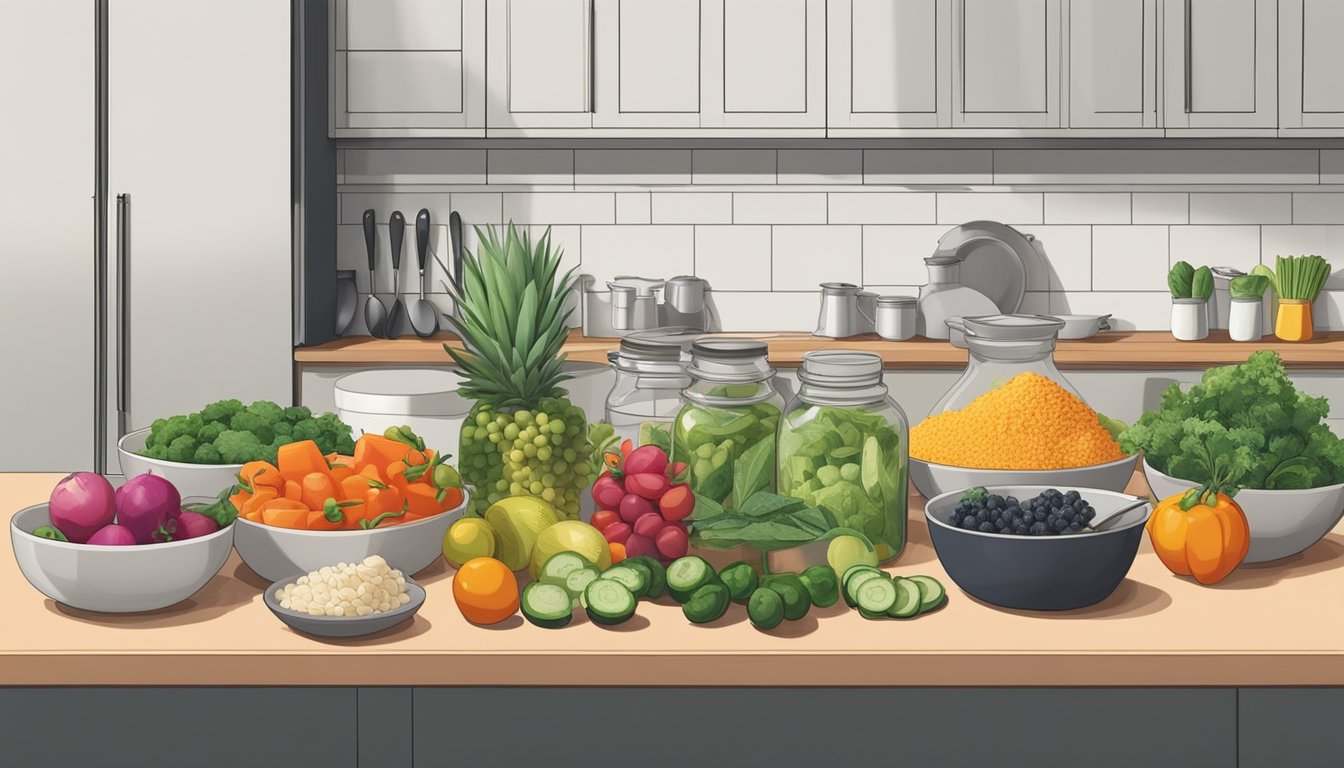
354 487
380 501
340 472
284 513
253 516
333 516
396 474
372 472
422 501
377 450
317 488
293 491
452 498
259 473
338 460
262 496
298 459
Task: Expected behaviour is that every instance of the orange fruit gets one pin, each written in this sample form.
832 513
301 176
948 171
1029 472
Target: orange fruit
617 552
486 591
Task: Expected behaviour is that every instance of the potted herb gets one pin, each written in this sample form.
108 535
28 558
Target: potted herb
1245 319
1297 281
1190 292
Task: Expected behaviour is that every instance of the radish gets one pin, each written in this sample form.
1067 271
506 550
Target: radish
81 504
607 492
192 525
634 507
113 535
617 533
640 546
672 542
677 503
647 484
649 524
646 459
149 506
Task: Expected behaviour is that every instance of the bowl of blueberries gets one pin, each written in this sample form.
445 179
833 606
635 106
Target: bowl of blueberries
1036 548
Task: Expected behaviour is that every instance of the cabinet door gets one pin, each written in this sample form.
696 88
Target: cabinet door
209 226
408 68
764 65
648 60
540 66
1220 65
1005 63
1311 65
1112 63
890 64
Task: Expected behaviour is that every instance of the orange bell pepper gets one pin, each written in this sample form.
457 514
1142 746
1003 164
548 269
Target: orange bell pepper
333 516
377 450
382 501
284 513
317 488
396 474
263 495
295 460
340 472
422 502
372 472
255 474
452 497
293 491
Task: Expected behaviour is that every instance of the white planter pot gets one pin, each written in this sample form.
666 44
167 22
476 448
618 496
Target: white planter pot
1189 319
1246 320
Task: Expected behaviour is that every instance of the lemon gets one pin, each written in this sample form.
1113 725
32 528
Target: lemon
846 551
468 538
517 521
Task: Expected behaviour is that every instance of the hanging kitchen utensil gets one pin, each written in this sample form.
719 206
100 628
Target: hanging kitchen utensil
347 300
396 316
424 315
455 235
375 314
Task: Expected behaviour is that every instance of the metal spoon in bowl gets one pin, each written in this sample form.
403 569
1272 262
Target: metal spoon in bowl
1110 520
375 314
424 315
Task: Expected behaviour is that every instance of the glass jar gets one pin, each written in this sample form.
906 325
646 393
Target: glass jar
1001 347
844 446
650 369
726 431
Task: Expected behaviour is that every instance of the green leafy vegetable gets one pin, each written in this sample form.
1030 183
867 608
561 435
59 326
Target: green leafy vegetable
754 470
1248 286
1251 416
221 510
1180 280
1301 277
1201 285
227 432
713 440
765 521
1262 271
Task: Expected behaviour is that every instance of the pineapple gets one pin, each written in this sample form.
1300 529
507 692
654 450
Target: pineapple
523 437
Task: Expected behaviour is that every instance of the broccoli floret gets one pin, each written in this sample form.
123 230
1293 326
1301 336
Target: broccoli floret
176 427
305 430
209 431
283 429
247 421
268 411
156 433
182 449
344 445
333 434
297 413
156 452
238 447
221 411
269 452
207 453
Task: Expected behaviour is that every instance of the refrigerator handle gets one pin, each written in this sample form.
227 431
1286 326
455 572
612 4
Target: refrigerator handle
123 312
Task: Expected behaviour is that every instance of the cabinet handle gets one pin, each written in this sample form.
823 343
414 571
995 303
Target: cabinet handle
123 312
1189 59
592 56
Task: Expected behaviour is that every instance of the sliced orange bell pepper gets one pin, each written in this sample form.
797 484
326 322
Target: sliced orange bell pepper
317 488
452 497
293 491
380 501
298 459
239 499
340 472
333 516
422 503
372 472
396 474
284 513
263 495
377 450
255 474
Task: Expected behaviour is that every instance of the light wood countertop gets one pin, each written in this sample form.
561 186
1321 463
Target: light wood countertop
1133 350
1274 624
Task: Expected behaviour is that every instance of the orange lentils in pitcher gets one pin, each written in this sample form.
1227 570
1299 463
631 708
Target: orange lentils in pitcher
1028 423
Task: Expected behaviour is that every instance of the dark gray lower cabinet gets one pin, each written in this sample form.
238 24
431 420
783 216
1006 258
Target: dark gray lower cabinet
177 727
1297 727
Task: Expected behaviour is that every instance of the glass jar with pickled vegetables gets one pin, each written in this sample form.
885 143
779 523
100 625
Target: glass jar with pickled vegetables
726 431
843 446
1002 347
650 369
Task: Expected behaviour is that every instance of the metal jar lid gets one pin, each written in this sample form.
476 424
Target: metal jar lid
730 360
895 301
1010 327
841 368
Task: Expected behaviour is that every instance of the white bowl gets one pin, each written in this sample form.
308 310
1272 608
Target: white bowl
1082 326
115 579
934 479
188 479
1282 523
280 553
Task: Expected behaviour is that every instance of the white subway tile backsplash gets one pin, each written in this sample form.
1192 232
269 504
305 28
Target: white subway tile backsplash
636 167
353 205
1129 310
633 208
1161 208
1216 246
476 208
1065 253
1327 312
692 208
779 208
1301 240
820 166
1132 258
733 166
1240 208
935 166
560 207
733 258
806 256
765 312
881 208
1332 166
1087 208
1036 303
530 166
646 251
1014 207
1156 166
894 255
1318 208
414 166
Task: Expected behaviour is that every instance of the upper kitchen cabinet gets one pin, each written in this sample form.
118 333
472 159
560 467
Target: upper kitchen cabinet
1220 67
889 66
1311 67
540 73
1005 64
710 67
1111 71
408 68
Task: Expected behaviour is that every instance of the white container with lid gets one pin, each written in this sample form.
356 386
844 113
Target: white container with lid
425 399
896 317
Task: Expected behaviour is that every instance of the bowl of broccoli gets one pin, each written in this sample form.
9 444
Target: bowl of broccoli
1288 463
201 453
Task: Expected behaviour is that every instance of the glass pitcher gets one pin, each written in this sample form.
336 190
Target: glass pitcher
1001 347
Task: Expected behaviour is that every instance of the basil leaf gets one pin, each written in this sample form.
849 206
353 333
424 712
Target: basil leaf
754 470
764 504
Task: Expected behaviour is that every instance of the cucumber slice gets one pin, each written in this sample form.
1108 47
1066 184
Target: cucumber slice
740 579
907 600
709 603
577 581
932 595
797 601
657 575
687 574
547 605
875 597
634 578
856 581
765 608
856 569
560 565
822 585
608 602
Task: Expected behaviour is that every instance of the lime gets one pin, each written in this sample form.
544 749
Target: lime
846 551
468 538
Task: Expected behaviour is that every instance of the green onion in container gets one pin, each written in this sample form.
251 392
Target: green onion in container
1300 277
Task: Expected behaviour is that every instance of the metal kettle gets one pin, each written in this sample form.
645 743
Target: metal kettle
845 311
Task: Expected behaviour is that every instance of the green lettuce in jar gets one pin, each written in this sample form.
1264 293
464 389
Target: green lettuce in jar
729 450
848 460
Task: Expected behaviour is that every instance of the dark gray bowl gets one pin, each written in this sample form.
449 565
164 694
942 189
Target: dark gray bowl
344 626
1038 573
